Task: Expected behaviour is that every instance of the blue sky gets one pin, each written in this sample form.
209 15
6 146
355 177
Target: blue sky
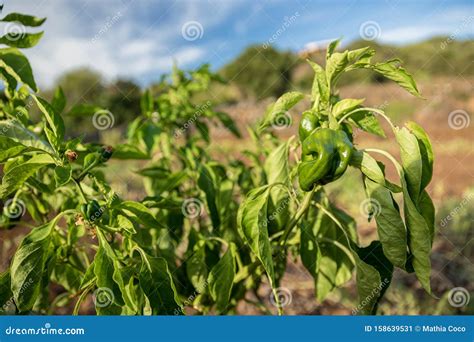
138 39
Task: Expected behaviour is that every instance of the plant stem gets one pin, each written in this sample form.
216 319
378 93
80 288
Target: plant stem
304 206
366 109
81 192
215 238
390 157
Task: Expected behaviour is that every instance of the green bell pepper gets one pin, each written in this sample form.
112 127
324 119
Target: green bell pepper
309 122
325 157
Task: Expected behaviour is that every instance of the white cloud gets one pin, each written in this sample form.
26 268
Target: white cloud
456 21
117 40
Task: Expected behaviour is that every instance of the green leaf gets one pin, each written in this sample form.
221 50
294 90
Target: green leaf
17 175
67 276
196 268
59 100
309 249
126 224
62 175
6 294
146 102
390 226
368 166
277 172
127 151
368 122
426 151
24 19
252 222
108 297
419 238
142 213
374 274
21 40
345 106
411 161
427 210
53 119
28 265
324 249
10 149
361 57
208 183
14 130
221 278
335 65
17 66
123 276
392 71
228 123
157 284
319 90
332 47
84 109
281 106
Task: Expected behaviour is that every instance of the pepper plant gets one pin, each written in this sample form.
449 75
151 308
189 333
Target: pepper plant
208 233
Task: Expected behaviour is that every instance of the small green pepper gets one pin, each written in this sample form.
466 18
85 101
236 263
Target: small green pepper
106 153
92 210
325 156
308 123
